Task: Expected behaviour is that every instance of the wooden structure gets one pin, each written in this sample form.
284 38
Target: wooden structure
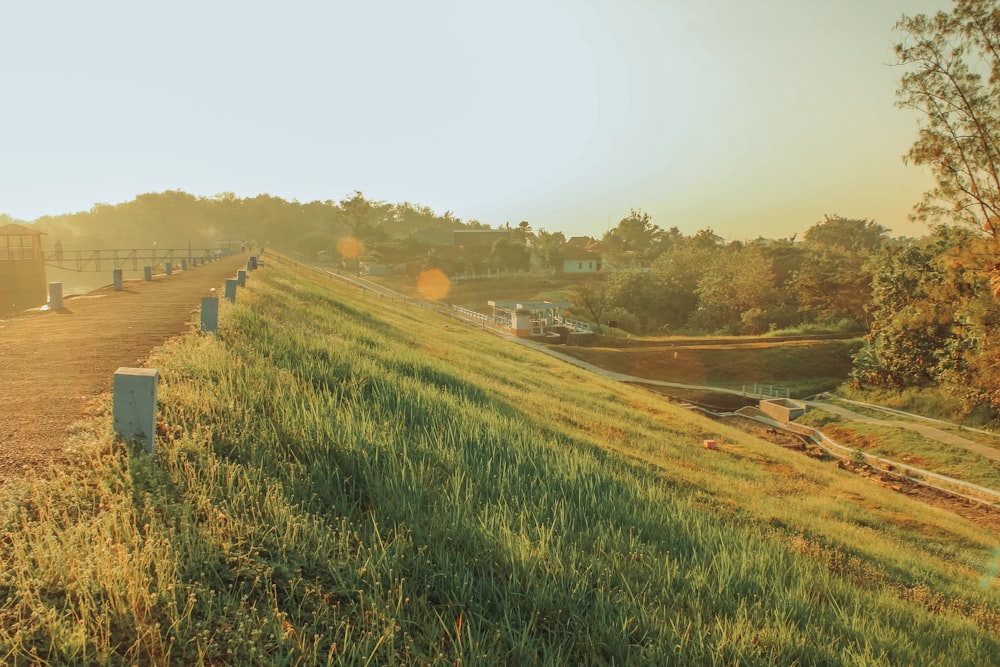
22 269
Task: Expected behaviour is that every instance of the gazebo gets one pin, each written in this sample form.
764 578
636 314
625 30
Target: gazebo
22 269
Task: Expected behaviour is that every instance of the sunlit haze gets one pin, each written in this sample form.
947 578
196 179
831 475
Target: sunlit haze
753 118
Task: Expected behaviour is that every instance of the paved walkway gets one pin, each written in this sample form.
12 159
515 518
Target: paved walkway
53 363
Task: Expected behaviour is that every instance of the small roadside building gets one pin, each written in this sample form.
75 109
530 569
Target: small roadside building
22 269
580 260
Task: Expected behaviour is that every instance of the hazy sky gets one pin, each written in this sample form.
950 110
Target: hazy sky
753 117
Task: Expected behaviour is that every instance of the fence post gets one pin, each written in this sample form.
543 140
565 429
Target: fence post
134 404
209 314
55 296
231 285
116 277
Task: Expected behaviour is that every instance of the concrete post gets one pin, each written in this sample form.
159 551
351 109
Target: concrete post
184 265
231 285
117 278
55 296
253 262
209 314
241 277
250 264
168 268
135 405
147 272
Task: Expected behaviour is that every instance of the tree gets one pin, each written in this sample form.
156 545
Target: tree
510 255
551 246
835 278
636 234
590 298
737 291
933 319
947 56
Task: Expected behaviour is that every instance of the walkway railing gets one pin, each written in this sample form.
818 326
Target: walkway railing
102 260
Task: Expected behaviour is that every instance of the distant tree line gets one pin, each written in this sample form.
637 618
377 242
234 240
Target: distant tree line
663 281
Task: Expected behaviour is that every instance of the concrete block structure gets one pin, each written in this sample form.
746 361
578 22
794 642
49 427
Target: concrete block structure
209 314
135 405
231 285
782 410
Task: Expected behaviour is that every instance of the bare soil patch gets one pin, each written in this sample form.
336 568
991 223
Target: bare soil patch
53 363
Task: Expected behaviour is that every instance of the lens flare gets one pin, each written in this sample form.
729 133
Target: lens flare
433 284
349 247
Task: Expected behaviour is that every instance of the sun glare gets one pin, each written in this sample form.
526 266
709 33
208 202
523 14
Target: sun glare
349 247
433 284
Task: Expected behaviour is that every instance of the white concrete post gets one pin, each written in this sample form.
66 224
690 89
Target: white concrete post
55 296
135 405
209 314
231 285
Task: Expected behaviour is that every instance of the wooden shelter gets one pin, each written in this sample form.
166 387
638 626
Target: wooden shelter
22 269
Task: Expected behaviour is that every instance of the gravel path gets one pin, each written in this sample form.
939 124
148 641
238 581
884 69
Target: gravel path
52 363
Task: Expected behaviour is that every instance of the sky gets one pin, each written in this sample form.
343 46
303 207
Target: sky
750 117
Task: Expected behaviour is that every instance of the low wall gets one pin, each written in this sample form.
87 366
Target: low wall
782 410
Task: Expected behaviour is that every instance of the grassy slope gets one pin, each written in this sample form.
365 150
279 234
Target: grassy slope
354 479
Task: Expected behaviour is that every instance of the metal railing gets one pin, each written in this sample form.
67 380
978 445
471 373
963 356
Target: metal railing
102 260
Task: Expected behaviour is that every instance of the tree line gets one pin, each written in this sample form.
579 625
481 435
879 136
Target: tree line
666 282
928 307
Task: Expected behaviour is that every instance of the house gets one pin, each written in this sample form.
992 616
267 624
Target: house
581 260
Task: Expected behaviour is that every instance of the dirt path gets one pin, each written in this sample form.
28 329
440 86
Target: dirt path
53 363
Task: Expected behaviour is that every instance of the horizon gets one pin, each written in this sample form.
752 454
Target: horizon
754 120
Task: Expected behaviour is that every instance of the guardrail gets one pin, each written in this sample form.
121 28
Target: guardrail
101 260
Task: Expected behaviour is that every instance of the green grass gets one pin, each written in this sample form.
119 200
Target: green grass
934 402
357 482
904 445
803 367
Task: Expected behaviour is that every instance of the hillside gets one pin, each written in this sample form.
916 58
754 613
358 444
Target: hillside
347 480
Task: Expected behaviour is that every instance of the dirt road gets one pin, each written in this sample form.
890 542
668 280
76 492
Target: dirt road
53 362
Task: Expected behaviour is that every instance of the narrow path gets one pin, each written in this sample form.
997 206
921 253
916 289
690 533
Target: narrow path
926 430
52 363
